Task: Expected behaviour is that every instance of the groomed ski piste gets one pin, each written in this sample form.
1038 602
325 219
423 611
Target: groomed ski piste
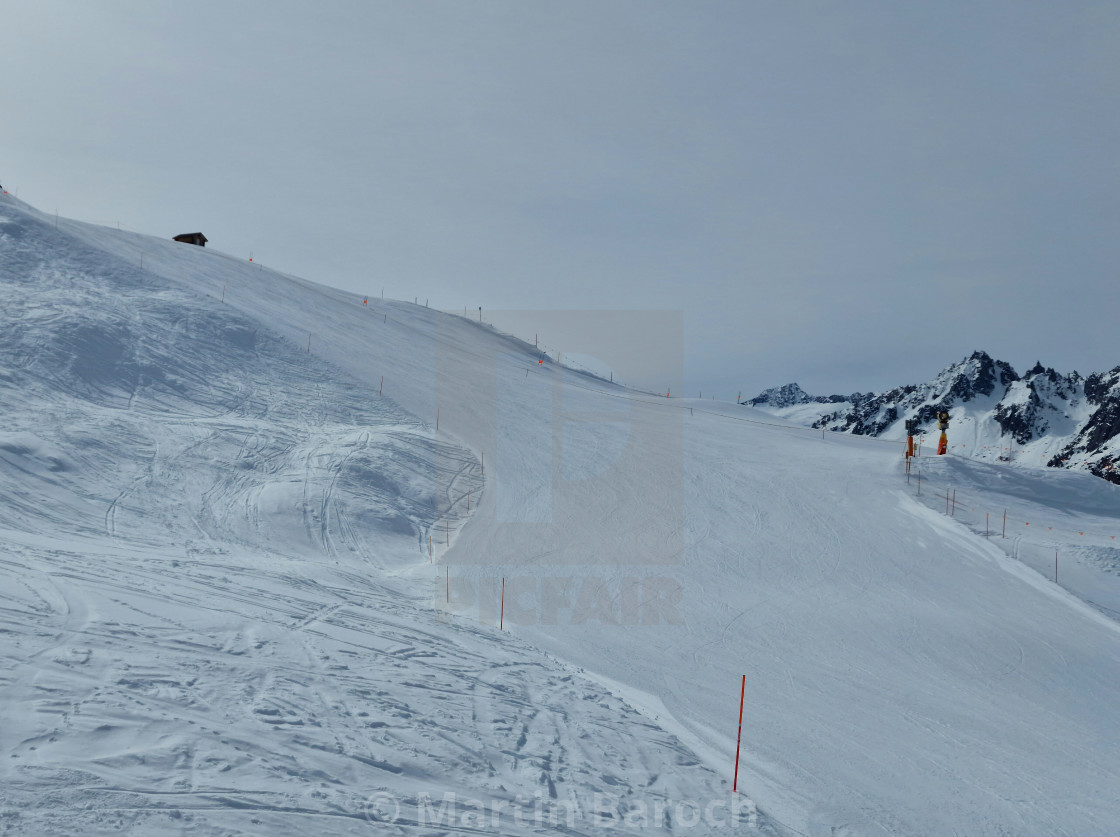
248 587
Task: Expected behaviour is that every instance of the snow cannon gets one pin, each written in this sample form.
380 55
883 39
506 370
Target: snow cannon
911 431
943 426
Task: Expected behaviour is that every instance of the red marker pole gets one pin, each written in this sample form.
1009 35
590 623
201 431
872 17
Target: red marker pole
739 739
502 619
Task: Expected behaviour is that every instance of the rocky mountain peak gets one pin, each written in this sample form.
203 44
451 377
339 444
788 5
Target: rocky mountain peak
1084 413
789 395
976 375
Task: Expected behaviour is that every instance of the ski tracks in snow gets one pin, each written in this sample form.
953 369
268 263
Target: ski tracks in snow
206 629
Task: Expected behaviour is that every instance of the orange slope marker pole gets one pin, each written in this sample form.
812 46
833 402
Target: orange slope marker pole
739 739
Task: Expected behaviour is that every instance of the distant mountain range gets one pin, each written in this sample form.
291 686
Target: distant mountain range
1040 418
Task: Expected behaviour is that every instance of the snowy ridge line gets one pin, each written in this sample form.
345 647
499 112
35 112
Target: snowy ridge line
539 347
666 401
813 430
411 326
657 401
556 364
655 398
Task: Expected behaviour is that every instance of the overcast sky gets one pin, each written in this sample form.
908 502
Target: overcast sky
851 195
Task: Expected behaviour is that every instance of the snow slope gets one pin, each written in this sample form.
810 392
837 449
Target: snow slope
221 615
210 614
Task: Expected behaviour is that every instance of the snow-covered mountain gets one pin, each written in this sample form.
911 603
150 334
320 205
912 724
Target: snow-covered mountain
1040 418
792 395
276 559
